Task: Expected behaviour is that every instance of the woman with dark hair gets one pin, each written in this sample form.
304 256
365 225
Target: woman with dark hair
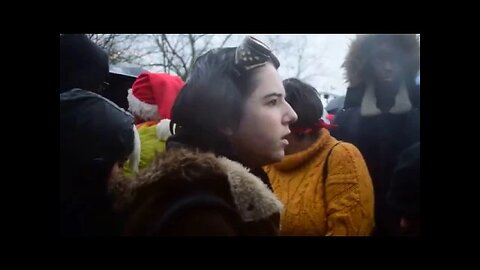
323 183
231 119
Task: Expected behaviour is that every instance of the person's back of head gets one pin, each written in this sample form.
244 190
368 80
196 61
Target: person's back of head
95 134
83 64
215 92
305 101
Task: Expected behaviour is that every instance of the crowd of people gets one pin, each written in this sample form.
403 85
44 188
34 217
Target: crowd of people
235 150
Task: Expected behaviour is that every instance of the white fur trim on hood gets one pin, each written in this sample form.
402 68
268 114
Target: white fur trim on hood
135 155
252 197
147 112
163 129
369 102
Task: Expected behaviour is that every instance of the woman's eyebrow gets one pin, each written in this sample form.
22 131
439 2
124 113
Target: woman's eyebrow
273 94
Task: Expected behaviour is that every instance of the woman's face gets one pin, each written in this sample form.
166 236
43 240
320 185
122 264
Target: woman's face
260 136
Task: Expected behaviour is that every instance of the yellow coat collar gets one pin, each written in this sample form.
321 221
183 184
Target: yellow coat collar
293 161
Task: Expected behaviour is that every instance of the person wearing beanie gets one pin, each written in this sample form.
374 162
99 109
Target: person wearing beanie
381 112
96 138
323 183
150 100
83 64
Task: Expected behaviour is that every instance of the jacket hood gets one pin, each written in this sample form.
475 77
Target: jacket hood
355 63
93 127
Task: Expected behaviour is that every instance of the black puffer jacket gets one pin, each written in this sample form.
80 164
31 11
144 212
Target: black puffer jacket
94 134
404 194
380 139
380 134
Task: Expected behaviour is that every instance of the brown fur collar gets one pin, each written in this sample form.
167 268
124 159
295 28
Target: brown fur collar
182 168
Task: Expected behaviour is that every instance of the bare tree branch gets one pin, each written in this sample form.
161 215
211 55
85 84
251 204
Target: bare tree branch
177 53
225 40
174 53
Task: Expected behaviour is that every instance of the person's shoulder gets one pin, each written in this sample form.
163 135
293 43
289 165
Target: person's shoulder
75 93
353 97
414 93
85 100
346 151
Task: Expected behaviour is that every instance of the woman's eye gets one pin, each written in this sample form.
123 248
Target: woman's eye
272 102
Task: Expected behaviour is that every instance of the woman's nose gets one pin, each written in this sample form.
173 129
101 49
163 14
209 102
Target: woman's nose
290 116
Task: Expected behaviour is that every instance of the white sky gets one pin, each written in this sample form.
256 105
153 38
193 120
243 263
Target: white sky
334 48
324 55
328 49
321 65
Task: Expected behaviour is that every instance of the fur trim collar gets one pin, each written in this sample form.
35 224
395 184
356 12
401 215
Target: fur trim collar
369 102
253 198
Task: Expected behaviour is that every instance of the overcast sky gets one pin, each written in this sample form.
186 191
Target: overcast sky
329 50
334 49
324 55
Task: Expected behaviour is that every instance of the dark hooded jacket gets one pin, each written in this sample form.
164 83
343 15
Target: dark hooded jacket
380 135
94 135
83 64
404 194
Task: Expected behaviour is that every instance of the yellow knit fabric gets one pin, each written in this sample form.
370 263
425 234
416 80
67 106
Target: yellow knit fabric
297 181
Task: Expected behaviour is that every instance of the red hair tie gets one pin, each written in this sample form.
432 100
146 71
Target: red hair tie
317 126
325 125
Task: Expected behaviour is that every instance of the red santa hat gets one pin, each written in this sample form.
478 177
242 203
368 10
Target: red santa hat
152 95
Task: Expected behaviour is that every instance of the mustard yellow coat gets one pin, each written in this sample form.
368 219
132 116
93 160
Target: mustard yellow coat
297 181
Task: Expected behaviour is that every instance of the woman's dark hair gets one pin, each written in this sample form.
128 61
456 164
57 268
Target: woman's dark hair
305 101
214 95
